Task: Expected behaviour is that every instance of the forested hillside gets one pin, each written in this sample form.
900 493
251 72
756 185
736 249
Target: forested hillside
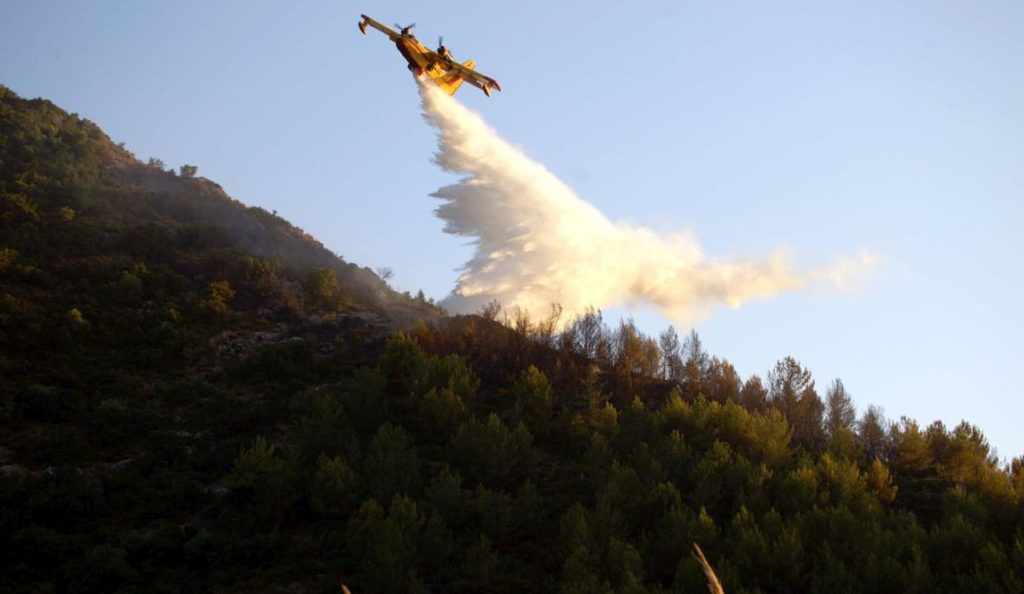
196 396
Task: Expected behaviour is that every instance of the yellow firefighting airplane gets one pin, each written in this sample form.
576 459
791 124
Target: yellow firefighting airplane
440 66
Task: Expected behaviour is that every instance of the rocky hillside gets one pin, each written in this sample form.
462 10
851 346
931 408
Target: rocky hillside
120 281
54 161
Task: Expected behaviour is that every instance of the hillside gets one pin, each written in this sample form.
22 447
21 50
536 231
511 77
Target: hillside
197 396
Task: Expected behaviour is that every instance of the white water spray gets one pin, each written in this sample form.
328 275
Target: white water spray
538 243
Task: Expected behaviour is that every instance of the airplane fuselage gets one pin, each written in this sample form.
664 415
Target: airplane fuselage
421 62
415 53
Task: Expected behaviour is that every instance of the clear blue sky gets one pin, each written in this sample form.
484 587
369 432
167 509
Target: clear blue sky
895 127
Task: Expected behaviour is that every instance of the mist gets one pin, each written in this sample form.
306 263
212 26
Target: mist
537 243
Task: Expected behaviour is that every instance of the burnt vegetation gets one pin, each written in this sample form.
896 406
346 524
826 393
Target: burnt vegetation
196 396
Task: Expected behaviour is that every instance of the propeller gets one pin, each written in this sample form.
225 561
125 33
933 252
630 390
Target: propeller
409 26
441 49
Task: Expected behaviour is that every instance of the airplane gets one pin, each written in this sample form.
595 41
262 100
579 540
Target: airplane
440 66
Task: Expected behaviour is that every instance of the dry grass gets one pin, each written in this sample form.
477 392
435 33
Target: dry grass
714 586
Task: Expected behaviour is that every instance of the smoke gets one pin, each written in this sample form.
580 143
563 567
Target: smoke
538 243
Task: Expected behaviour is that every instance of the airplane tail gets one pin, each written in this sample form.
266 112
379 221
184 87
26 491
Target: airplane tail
450 83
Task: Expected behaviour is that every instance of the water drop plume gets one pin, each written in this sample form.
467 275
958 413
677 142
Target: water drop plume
538 243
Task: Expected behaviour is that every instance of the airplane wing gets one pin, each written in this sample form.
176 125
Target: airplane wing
392 35
471 76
